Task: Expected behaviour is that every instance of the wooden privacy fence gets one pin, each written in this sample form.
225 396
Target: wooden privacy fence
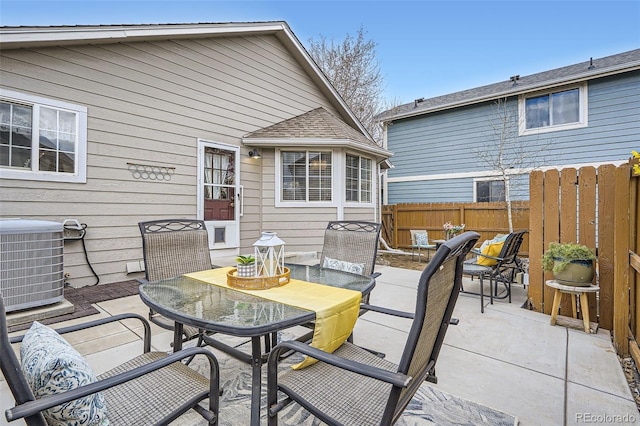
593 207
634 262
488 219
599 208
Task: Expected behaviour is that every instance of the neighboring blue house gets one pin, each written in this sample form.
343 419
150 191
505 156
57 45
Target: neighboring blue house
583 114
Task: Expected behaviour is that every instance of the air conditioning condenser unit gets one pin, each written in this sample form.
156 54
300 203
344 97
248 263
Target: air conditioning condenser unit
31 263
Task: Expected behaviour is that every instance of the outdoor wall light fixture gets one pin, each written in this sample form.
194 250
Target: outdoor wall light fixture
254 153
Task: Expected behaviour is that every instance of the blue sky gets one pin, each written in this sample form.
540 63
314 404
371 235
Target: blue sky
425 48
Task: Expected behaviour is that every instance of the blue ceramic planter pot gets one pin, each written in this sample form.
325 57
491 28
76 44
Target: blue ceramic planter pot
577 273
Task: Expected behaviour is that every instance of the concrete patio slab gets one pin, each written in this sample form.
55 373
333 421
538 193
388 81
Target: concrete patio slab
515 339
533 397
593 363
508 358
587 405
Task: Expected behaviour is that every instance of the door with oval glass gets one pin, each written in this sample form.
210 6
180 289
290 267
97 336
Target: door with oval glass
218 193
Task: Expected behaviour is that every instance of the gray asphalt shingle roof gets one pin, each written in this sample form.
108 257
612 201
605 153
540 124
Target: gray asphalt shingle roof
317 124
599 67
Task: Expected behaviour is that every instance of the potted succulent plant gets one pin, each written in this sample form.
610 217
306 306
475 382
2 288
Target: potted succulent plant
571 263
246 265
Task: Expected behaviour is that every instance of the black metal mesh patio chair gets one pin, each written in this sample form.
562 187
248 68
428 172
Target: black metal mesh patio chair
502 270
173 247
353 386
351 246
153 388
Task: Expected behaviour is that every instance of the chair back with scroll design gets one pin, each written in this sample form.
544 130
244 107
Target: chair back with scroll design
173 247
353 245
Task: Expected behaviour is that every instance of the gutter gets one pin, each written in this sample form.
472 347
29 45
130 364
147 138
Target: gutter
315 142
21 37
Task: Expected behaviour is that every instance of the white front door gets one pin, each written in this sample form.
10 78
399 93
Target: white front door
218 200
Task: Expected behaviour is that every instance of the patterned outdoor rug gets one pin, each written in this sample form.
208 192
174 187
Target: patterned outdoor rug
429 406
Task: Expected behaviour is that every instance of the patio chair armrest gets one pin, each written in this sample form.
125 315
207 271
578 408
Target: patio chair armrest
394 378
102 321
30 408
386 311
375 275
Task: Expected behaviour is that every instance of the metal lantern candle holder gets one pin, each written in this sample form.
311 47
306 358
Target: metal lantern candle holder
269 254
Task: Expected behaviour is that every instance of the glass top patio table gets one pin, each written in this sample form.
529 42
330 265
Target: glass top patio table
214 308
225 310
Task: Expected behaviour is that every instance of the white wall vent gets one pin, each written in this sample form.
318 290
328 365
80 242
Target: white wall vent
31 263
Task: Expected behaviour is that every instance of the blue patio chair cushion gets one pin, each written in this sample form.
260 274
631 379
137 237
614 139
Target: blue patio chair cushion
52 366
422 239
341 265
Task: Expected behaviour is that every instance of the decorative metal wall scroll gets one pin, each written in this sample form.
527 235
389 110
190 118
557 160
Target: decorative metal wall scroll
143 171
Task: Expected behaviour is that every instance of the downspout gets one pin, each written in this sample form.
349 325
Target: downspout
378 206
382 183
261 183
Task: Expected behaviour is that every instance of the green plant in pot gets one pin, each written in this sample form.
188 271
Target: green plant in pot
246 265
571 263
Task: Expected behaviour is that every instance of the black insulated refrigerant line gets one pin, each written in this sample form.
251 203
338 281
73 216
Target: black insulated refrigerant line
73 230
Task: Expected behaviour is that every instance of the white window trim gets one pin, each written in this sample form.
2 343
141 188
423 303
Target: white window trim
485 179
80 174
336 186
372 177
582 121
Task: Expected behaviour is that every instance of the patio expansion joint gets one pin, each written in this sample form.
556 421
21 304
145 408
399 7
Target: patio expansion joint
564 379
566 376
121 322
582 385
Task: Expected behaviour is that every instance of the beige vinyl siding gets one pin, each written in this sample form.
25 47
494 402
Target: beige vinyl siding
360 213
148 103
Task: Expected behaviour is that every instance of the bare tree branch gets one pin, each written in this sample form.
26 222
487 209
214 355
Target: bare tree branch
351 66
506 152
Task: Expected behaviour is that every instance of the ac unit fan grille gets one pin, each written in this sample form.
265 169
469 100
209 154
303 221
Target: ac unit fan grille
32 265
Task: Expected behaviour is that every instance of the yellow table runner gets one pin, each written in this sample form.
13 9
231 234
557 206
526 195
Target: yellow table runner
336 308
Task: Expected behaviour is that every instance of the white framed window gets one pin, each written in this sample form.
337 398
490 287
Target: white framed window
42 139
560 109
306 176
486 190
358 179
